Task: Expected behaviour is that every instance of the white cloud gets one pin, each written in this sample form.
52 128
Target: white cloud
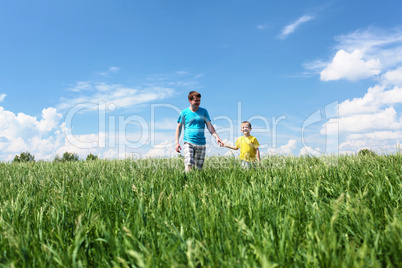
17 145
112 69
25 126
2 97
233 153
164 149
350 66
48 135
166 124
378 135
381 141
182 73
315 66
119 95
44 148
284 149
293 26
81 86
307 150
262 27
375 98
374 120
22 132
386 119
393 77
50 120
363 54
375 43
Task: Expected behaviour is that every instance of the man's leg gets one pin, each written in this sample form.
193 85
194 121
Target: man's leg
200 156
188 168
189 162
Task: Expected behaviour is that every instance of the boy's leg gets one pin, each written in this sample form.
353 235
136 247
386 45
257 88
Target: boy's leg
200 156
245 164
188 151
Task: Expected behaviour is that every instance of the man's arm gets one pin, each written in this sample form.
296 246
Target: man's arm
211 130
178 132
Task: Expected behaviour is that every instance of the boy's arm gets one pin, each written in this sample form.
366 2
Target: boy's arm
211 130
178 132
257 153
230 147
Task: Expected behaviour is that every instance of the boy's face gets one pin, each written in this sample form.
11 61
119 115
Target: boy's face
195 102
245 129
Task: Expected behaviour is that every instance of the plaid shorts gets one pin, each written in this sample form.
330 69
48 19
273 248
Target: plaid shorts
246 164
194 155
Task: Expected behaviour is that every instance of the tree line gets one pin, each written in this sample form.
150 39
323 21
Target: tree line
26 157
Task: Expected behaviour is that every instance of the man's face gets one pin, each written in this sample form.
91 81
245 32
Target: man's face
195 102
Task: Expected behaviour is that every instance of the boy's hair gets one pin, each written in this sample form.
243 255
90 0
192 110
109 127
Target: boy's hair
246 122
193 94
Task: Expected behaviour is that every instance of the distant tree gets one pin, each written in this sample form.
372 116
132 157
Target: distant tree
91 157
366 152
67 157
24 157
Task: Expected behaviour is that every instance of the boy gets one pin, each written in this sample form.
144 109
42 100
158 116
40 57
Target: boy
194 120
248 146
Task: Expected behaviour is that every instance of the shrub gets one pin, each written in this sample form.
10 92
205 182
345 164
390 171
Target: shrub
24 157
91 157
67 157
366 152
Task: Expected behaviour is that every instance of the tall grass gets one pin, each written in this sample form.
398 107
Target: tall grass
291 211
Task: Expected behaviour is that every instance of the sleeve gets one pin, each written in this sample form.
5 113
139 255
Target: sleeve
255 143
181 118
207 118
238 143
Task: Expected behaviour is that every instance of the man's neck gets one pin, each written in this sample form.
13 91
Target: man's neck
193 109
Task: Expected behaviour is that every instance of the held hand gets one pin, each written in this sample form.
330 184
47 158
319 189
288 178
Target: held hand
178 148
218 141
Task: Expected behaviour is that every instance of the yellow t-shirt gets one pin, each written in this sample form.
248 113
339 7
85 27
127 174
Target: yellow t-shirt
247 147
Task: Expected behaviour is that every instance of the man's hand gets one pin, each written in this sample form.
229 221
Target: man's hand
178 148
178 130
213 133
218 141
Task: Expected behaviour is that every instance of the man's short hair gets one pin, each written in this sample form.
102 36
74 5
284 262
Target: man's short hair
246 122
193 94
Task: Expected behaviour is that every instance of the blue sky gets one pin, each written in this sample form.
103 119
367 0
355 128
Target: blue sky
109 77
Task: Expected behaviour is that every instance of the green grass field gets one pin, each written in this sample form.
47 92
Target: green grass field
292 211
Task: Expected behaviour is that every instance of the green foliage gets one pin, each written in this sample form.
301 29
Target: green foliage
366 152
290 212
91 157
67 157
24 157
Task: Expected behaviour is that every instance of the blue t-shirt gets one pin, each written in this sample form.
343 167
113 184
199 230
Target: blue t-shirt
194 125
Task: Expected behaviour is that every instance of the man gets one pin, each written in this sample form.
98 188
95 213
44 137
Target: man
194 120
